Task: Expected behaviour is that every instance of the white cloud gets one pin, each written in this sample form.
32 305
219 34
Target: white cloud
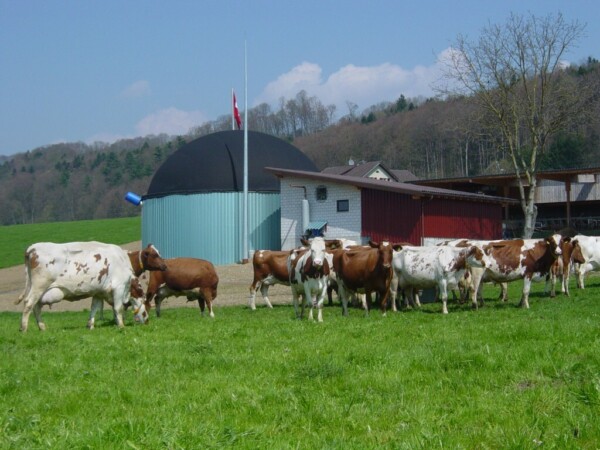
136 89
171 121
363 85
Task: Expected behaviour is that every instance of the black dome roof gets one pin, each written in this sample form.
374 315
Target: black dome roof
215 163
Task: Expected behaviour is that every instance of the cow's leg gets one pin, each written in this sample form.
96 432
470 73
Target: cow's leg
476 285
393 292
118 296
49 297
343 293
366 301
443 289
252 298
27 307
550 284
295 303
526 288
97 303
206 295
264 291
581 276
320 303
32 303
565 278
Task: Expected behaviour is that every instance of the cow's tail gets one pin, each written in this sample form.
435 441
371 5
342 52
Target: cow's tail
27 281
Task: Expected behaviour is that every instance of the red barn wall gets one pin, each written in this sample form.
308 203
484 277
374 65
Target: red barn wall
390 216
400 218
447 218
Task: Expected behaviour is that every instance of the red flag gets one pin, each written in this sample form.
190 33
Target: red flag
236 113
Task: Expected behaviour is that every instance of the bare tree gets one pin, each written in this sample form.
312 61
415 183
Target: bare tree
515 72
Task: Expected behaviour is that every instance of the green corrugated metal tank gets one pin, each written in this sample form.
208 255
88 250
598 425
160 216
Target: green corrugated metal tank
194 204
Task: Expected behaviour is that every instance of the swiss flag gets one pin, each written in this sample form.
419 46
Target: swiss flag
236 113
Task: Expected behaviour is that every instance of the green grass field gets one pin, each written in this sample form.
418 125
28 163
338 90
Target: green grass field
500 377
14 240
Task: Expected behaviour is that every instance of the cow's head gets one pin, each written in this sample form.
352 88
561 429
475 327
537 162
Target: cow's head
554 245
576 254
475 257
136 294
385 252
317 252
150 259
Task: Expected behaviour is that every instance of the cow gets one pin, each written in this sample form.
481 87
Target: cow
310 270
571 255
141 260
193 278
443 267
146 259
77 270
477 272
585 256
270 267
515 259
364 271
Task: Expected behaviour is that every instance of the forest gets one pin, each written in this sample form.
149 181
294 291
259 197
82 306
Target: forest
431 137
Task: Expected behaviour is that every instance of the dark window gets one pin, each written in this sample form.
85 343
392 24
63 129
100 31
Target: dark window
321 193
343 205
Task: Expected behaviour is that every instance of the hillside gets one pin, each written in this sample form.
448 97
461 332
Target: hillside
431 138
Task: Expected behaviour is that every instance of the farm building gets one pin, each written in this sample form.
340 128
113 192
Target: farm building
564 198
194 204
377 205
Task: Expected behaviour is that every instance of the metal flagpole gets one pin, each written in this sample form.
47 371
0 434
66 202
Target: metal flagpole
245 239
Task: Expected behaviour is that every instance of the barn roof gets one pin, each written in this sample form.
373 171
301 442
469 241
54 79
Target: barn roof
215 163
391 186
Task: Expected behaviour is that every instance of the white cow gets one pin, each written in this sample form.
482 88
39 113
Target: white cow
74 271
585 252
437 266
310 270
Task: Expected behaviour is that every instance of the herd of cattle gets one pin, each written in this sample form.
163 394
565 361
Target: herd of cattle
105 272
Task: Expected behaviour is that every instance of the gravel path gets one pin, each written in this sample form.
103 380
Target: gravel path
234 280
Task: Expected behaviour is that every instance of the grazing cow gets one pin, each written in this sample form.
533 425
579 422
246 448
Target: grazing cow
516 259
309 274
74 271
585 256
270 267
136 295
364 271
443 267
193 278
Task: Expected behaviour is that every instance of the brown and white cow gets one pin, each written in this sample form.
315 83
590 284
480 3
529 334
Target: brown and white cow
74 271
193 278
516 259
141 260
270 267
364 271
443 267
310 269
585 257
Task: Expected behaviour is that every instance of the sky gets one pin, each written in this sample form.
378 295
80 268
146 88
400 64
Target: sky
103 70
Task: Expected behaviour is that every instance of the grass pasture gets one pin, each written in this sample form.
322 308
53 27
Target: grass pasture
15 239
499 377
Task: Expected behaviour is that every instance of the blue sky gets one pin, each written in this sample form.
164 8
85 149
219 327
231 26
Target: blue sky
101 70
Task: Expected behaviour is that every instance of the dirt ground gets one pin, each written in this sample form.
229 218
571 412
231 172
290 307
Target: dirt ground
234 281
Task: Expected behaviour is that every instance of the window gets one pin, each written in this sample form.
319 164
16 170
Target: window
343 205
321 193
